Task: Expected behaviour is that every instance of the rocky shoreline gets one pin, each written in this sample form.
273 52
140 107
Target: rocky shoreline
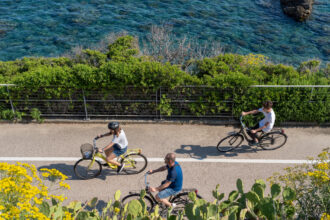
300 10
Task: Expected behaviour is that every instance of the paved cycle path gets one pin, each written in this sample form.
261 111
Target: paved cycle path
192 143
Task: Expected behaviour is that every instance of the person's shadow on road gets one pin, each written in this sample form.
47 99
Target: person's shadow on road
67 169
202 152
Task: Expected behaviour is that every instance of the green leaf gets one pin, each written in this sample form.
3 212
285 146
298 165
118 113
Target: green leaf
212 210
252 197
192 196
81 216
117 195
267 208
134 208
242 214
239 185
93 202
142 194
257 188
233 196
54 202
288 194
262 183
44 208
275 190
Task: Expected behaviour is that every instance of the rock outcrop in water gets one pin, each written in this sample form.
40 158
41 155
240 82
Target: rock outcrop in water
300 10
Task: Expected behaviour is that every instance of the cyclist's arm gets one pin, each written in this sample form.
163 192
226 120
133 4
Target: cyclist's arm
163 186
159 169
250 112
265 126
104 135
107 147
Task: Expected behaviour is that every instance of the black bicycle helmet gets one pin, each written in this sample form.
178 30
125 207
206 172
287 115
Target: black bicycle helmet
113 125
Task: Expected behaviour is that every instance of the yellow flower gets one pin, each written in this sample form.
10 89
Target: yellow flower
22 190
325 216
322 166
67 216
117 210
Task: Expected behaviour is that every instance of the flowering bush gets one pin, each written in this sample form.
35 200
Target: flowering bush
311 184
23 190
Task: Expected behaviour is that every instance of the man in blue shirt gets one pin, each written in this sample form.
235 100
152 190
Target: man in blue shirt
173 183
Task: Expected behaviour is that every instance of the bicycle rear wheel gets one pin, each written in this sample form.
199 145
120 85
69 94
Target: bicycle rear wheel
181 200
136 196
230 142
272 140
134 163
84 168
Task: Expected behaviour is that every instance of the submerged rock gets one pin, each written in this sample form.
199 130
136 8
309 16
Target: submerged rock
300 10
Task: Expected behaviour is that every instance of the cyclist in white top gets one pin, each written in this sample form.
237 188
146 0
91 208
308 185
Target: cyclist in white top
117 147
266 124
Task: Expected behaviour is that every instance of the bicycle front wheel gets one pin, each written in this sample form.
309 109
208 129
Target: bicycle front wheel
230 142
87 169
134 163
181 200
136 196
272 140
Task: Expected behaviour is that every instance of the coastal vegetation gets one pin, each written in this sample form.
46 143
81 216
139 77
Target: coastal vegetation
122 65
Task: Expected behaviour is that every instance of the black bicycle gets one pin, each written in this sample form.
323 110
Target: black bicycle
180 199
267 141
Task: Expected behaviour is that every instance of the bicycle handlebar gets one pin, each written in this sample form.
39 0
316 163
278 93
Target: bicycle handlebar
242 123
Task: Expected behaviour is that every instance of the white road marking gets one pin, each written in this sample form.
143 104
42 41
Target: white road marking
157 159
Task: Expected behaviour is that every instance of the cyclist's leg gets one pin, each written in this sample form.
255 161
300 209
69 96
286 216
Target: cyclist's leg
164 194
110 156
254 136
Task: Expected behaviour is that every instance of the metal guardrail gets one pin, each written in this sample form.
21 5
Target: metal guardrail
133 103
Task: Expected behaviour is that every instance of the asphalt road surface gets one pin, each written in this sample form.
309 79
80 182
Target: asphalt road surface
63 141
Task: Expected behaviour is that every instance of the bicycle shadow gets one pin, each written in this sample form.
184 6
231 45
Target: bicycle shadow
67 169
202 152
243 149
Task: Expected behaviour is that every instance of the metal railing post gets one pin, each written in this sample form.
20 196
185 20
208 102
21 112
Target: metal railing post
160 97
310 97
86 112
11 102
156 103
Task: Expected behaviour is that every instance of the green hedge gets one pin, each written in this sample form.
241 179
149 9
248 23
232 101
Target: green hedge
122 66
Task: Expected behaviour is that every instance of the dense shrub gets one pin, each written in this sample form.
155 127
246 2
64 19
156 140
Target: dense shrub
311 185
122 66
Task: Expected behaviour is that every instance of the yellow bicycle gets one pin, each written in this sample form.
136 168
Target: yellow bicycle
89 166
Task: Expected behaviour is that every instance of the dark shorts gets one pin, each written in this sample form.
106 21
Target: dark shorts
118 151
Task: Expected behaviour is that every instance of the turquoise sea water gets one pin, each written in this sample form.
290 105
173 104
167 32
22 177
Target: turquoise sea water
54 27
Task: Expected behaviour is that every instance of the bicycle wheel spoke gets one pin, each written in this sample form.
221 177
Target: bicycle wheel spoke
273 140
134 163
87 169
230 142
132 197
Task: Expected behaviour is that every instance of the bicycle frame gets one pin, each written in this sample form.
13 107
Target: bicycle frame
97 154
244 129
152 197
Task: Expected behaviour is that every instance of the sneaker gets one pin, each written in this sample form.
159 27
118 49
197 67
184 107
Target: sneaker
120 168
254 143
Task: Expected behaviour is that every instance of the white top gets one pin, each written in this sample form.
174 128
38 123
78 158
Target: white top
121 139
269 117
